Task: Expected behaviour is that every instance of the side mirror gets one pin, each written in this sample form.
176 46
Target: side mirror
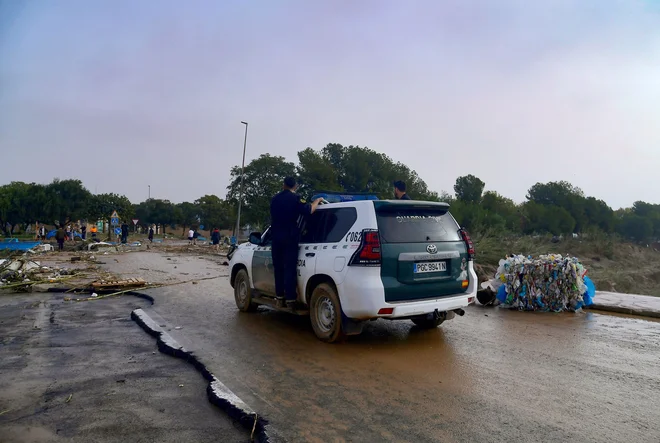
255 238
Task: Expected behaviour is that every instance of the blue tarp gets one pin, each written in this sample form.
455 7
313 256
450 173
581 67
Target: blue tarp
13 244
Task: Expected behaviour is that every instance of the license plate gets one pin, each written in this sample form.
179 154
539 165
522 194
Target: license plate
434 266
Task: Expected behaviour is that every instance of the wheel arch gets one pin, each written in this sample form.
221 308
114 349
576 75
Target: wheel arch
237 267
316 280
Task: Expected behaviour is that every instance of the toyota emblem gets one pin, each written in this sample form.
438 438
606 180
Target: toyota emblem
432 249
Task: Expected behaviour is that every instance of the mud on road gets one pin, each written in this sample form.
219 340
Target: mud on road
491 376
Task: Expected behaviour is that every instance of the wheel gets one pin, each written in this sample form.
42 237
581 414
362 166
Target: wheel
325 314
243 292
424 322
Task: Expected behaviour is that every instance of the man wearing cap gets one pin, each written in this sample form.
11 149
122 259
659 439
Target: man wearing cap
400 190
285 209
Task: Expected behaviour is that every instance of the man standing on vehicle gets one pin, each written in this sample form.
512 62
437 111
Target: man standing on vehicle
400 190
285 209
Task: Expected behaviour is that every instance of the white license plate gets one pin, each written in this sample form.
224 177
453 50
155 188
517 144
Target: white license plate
434 266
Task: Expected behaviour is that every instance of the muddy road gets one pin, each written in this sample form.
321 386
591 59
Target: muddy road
490 376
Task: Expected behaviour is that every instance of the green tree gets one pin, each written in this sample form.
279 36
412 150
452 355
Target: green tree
156 211
316 173
215 212
564 195
186 214
469 188
503 207
101 207
263 179
22 204
67 200
635 227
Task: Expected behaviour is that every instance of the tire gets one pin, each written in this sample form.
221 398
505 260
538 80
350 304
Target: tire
325 314
243 292
427 323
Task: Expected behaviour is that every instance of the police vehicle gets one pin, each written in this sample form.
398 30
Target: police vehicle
362 259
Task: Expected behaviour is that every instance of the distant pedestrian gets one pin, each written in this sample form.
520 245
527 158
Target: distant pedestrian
195 235
151 234
68 232
60 236
191 236
215 238
94 231
124 233
83 231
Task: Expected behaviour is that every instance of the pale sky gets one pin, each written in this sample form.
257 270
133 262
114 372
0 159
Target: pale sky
125 94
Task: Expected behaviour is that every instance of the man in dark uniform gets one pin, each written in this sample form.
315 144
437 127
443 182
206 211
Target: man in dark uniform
285 210
400 190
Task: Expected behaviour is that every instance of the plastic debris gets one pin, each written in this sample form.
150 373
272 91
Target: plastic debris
547 283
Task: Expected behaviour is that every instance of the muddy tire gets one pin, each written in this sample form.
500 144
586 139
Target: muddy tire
243 292
425 322
325 314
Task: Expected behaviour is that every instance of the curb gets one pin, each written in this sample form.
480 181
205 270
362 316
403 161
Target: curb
218 393
621 310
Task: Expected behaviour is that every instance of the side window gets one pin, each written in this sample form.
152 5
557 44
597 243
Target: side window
311 227
336 225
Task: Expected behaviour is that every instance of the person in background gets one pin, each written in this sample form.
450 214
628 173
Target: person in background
191 234
42 232
215 238
60 236
83 231
69 235
151 234
195 235
400 190
94 230
124 233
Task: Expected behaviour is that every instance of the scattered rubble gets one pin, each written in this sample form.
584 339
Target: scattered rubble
21 274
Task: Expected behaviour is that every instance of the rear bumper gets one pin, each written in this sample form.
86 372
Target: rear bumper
362 299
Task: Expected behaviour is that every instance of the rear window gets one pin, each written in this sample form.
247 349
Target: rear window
417 226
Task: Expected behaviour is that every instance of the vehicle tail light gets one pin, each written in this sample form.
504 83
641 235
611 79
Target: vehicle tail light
468 243
368 254
386 311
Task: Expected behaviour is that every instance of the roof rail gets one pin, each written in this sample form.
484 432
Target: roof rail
339 197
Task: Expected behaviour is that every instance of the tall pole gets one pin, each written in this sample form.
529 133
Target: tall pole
149 192
240 195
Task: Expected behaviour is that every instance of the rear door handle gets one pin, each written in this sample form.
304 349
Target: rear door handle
310 254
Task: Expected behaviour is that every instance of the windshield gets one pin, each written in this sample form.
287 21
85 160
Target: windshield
417 226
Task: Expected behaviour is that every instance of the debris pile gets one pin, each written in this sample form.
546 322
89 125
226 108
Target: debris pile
547 283
21 273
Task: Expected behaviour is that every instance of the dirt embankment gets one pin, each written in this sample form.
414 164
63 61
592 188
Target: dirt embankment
613 265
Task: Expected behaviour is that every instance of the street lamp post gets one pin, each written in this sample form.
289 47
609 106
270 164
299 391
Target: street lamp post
149 192
240 195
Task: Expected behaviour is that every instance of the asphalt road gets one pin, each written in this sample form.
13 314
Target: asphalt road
490 376
84 372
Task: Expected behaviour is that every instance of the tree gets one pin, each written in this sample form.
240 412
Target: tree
504 207
635 227
186 214
215 212
21 204
101 207
67 200
469 188
316 173
156 211
263 179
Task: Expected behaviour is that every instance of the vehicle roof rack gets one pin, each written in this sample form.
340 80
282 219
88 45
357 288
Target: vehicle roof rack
340 197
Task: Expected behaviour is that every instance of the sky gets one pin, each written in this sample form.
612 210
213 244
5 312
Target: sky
123 94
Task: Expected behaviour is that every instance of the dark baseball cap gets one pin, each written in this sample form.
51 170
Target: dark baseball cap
401 186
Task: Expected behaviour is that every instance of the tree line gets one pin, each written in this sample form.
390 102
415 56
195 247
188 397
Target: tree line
554 208
550 208
63 201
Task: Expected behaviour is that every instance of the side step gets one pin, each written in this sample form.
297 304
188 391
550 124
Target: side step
271 302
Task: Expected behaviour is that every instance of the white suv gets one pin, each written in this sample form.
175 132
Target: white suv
365 260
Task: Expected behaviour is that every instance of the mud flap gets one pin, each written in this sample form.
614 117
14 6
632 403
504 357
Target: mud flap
350 326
